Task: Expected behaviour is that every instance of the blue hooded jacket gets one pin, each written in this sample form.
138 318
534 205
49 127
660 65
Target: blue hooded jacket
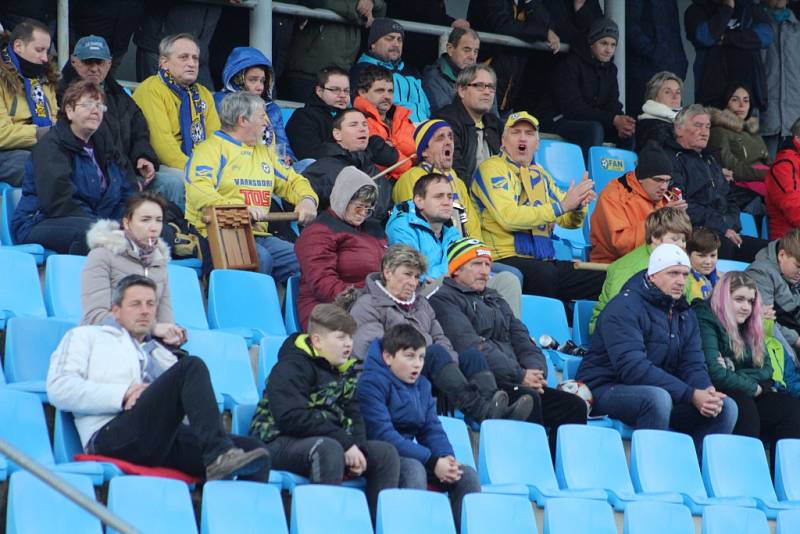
244 57
399 413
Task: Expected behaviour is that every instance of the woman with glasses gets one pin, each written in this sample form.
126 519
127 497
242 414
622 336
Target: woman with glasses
342 246
73 177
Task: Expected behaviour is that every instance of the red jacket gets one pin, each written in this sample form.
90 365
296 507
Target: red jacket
400 135
334 256
783 191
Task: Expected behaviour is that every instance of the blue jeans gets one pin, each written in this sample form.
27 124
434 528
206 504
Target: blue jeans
652 407
276 258
12 166
168 182
471 361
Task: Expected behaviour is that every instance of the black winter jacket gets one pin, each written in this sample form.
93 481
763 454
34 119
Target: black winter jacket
484 321
310 127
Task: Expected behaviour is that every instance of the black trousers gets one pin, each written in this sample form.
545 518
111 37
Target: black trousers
557 279
746 253
152 433
65 235
551 409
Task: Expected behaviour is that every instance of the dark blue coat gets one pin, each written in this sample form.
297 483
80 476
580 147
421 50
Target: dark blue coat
399 413
645 337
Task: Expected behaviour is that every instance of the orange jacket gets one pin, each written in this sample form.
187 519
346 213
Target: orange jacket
617 224
401 133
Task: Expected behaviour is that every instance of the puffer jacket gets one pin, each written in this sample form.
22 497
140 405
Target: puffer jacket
645 337
484 321
399 132
776 290
783 191
408 90
399 413
16 127
309 128
782 63
738 146
113 257
376 311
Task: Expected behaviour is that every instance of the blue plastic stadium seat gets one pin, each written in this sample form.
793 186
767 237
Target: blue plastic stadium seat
563 250
599 466
152 505
514 458
186 297
458 435
482 513
286 113
750 478
788 522
787 470
241 507
734 519
748 222
194 264
62 286
606 164
726 266
3 469
34 507
267 358
9 198
545 315
650 517
575 240
67 443
30 342
578 516
431 512
563 161
765 227
290 318
317 508
20 292
663 461
303 164
581 315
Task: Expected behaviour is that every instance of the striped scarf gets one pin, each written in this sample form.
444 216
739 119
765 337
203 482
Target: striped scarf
192 116
34 90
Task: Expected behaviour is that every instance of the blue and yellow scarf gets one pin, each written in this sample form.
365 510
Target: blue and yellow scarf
34 90
538 241
192 116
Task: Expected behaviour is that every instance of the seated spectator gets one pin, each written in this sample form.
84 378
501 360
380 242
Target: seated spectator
705 187
618 219
776 271
73 177
663 97
342 246
130 395
233 166
309 127
519 205
398 408
247 69
91 60
646 366
439 79
665 225
309 415
352 146
27 95
702 248
384 119
733 334
179 111
131 248
783 187
385 49
585 93
476 131
476 317
390 298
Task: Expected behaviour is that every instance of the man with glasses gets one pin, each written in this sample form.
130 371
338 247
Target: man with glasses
617 225
476 131
309 127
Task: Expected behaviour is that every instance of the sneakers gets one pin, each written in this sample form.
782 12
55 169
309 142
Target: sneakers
235 462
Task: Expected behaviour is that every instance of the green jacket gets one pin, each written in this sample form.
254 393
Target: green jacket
715 342
738 146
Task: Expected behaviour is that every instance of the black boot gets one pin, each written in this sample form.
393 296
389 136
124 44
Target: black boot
467 397
518 411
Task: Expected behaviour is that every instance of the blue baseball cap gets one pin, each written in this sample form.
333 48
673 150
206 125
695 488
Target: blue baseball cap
92 47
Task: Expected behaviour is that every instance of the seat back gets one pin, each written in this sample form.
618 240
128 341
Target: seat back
665 461
431 512
239 506
545 315
10 198
515 452
20 292
726 266
788 522
492 512
24 426
241 416
329 509
458 435
725 519
66 441
153 505
62 286
290 318
33 506
241 299
186 297
651 517
748 222
563 161
602 465
607 163
30 342
578 516
581 315
267 358
727 474
787 470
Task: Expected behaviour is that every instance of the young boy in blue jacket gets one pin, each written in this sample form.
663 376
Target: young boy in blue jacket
398 407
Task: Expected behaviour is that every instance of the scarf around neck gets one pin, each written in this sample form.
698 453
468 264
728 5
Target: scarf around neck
145 251
34 89
192 116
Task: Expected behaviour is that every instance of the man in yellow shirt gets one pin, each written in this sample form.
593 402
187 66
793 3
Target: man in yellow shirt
234 167
180 112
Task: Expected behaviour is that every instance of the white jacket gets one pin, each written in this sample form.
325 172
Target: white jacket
91 370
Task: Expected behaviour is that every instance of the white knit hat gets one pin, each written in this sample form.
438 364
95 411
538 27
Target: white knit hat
665 256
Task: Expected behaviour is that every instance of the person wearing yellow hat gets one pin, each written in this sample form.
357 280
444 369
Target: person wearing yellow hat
520 204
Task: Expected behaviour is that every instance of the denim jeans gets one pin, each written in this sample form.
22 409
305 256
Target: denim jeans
276 258
168 182
12 166
470 362
65 235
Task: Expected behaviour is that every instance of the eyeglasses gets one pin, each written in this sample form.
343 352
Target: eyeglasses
480 86
93 105
337 90
366 210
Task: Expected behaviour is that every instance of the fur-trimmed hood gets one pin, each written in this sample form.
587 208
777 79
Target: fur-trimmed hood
108 234
729 120
11 80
